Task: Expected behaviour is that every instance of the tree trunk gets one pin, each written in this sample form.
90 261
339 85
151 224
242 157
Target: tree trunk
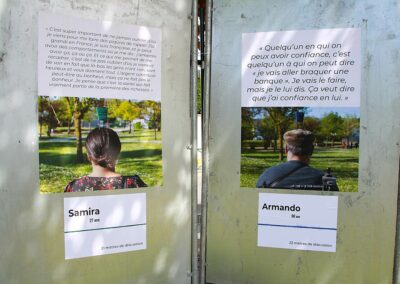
130 127
41 123
69 127
280 133
78 135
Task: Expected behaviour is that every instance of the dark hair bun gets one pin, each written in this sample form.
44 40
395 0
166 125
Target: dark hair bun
103 147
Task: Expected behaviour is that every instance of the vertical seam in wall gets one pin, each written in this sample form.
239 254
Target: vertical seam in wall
397 236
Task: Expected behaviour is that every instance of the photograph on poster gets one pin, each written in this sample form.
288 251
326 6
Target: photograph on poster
328 137
300 117
99 105
84 140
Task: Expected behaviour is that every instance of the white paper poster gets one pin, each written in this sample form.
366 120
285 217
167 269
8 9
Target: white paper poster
301 68
302 222
84 58
97 74
98 225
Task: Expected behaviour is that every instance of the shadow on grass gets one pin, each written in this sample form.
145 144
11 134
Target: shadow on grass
140 154
57 159
335 159
57 145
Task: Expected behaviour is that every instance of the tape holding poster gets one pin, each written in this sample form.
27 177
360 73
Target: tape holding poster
98 80
301 103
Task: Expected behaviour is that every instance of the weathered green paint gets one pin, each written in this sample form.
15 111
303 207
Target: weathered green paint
31 224
366 220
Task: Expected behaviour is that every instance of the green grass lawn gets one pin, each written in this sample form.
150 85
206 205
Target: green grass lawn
343 162
140 155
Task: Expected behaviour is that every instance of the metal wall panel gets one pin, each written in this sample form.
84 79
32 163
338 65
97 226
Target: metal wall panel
366 220
31 224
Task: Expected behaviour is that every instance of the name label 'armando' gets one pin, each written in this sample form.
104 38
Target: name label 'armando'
292 208
88 212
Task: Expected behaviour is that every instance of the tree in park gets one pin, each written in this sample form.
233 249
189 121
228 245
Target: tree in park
52 112
332 126
153 109
282 117
253 125
127 111
112 107
247 128
79 107
350 124
313 124
266 128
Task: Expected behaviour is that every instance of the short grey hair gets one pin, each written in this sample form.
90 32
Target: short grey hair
299 142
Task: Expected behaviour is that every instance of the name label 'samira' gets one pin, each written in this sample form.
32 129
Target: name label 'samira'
88 212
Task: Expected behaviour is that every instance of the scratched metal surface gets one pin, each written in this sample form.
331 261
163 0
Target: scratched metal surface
366 220
31 225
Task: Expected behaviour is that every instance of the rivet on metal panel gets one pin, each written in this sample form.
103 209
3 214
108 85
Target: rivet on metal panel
189 147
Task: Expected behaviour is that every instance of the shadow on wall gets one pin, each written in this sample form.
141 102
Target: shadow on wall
32 224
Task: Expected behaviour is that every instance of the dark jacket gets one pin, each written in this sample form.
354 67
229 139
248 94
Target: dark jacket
289 175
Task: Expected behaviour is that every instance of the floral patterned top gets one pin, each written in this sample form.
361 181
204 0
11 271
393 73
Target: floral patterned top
87 183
